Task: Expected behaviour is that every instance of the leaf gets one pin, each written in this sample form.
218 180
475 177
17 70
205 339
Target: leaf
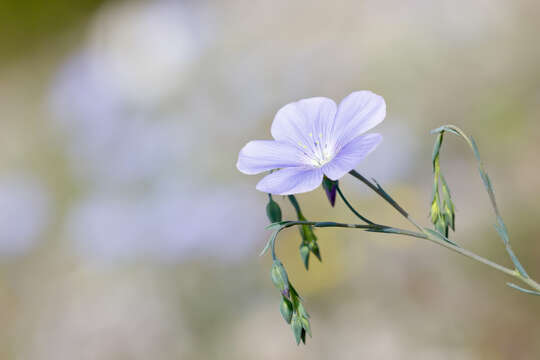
527 291
436 149
269 242
440 236
276 225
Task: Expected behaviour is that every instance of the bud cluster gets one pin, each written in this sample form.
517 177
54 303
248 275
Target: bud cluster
291 306
442 211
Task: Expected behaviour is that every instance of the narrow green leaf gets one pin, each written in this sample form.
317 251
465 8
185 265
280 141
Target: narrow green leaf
440 236
270 242
527 291
437 148
276 225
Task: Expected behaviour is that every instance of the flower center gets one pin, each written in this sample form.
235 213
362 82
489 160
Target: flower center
319 152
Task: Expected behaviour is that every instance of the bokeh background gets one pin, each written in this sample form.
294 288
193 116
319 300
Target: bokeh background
126 231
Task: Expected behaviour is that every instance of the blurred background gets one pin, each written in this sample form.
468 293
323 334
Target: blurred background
126 231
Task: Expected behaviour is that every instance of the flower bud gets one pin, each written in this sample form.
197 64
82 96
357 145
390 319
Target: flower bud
286 309
314 247
301 310
304 253
280 278
306 326
297 328
273 211
330 187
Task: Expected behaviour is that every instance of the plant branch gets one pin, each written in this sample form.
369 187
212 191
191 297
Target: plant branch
393 230
364 219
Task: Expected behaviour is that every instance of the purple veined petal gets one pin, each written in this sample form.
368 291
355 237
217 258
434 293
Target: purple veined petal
263 155
292 180
351 155
356 114
306 123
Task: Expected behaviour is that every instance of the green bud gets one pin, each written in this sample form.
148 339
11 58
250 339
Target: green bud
304 253
286 309
435 211
315 249
306 326
448 205
280 278
273 211
301 310
297 328
449 216
441 226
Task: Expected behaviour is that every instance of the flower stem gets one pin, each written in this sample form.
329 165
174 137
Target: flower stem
386 197
393 230
441 241
364 219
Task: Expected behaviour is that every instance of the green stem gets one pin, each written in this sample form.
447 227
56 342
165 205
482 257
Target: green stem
364 219
392 230
428 236
501 227
387 198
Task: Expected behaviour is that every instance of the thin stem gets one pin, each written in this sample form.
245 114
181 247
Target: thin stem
398 231
364 219
426 235
366 227
387 198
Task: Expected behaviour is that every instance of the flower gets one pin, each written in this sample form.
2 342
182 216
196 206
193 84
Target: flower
314 138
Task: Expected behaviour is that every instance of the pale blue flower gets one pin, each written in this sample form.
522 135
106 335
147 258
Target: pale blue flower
313 138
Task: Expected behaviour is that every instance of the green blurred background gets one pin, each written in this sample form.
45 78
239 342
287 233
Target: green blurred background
126 231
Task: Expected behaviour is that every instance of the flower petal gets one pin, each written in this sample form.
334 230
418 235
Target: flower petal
292 180
350 155
356 114
263 155
303 122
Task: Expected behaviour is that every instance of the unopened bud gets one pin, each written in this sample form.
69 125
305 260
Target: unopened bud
306 326
314 247
297 328
330 187
304 254
273 211
286 309
280 278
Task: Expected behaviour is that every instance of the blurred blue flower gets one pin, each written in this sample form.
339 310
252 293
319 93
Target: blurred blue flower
171 223
24 214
